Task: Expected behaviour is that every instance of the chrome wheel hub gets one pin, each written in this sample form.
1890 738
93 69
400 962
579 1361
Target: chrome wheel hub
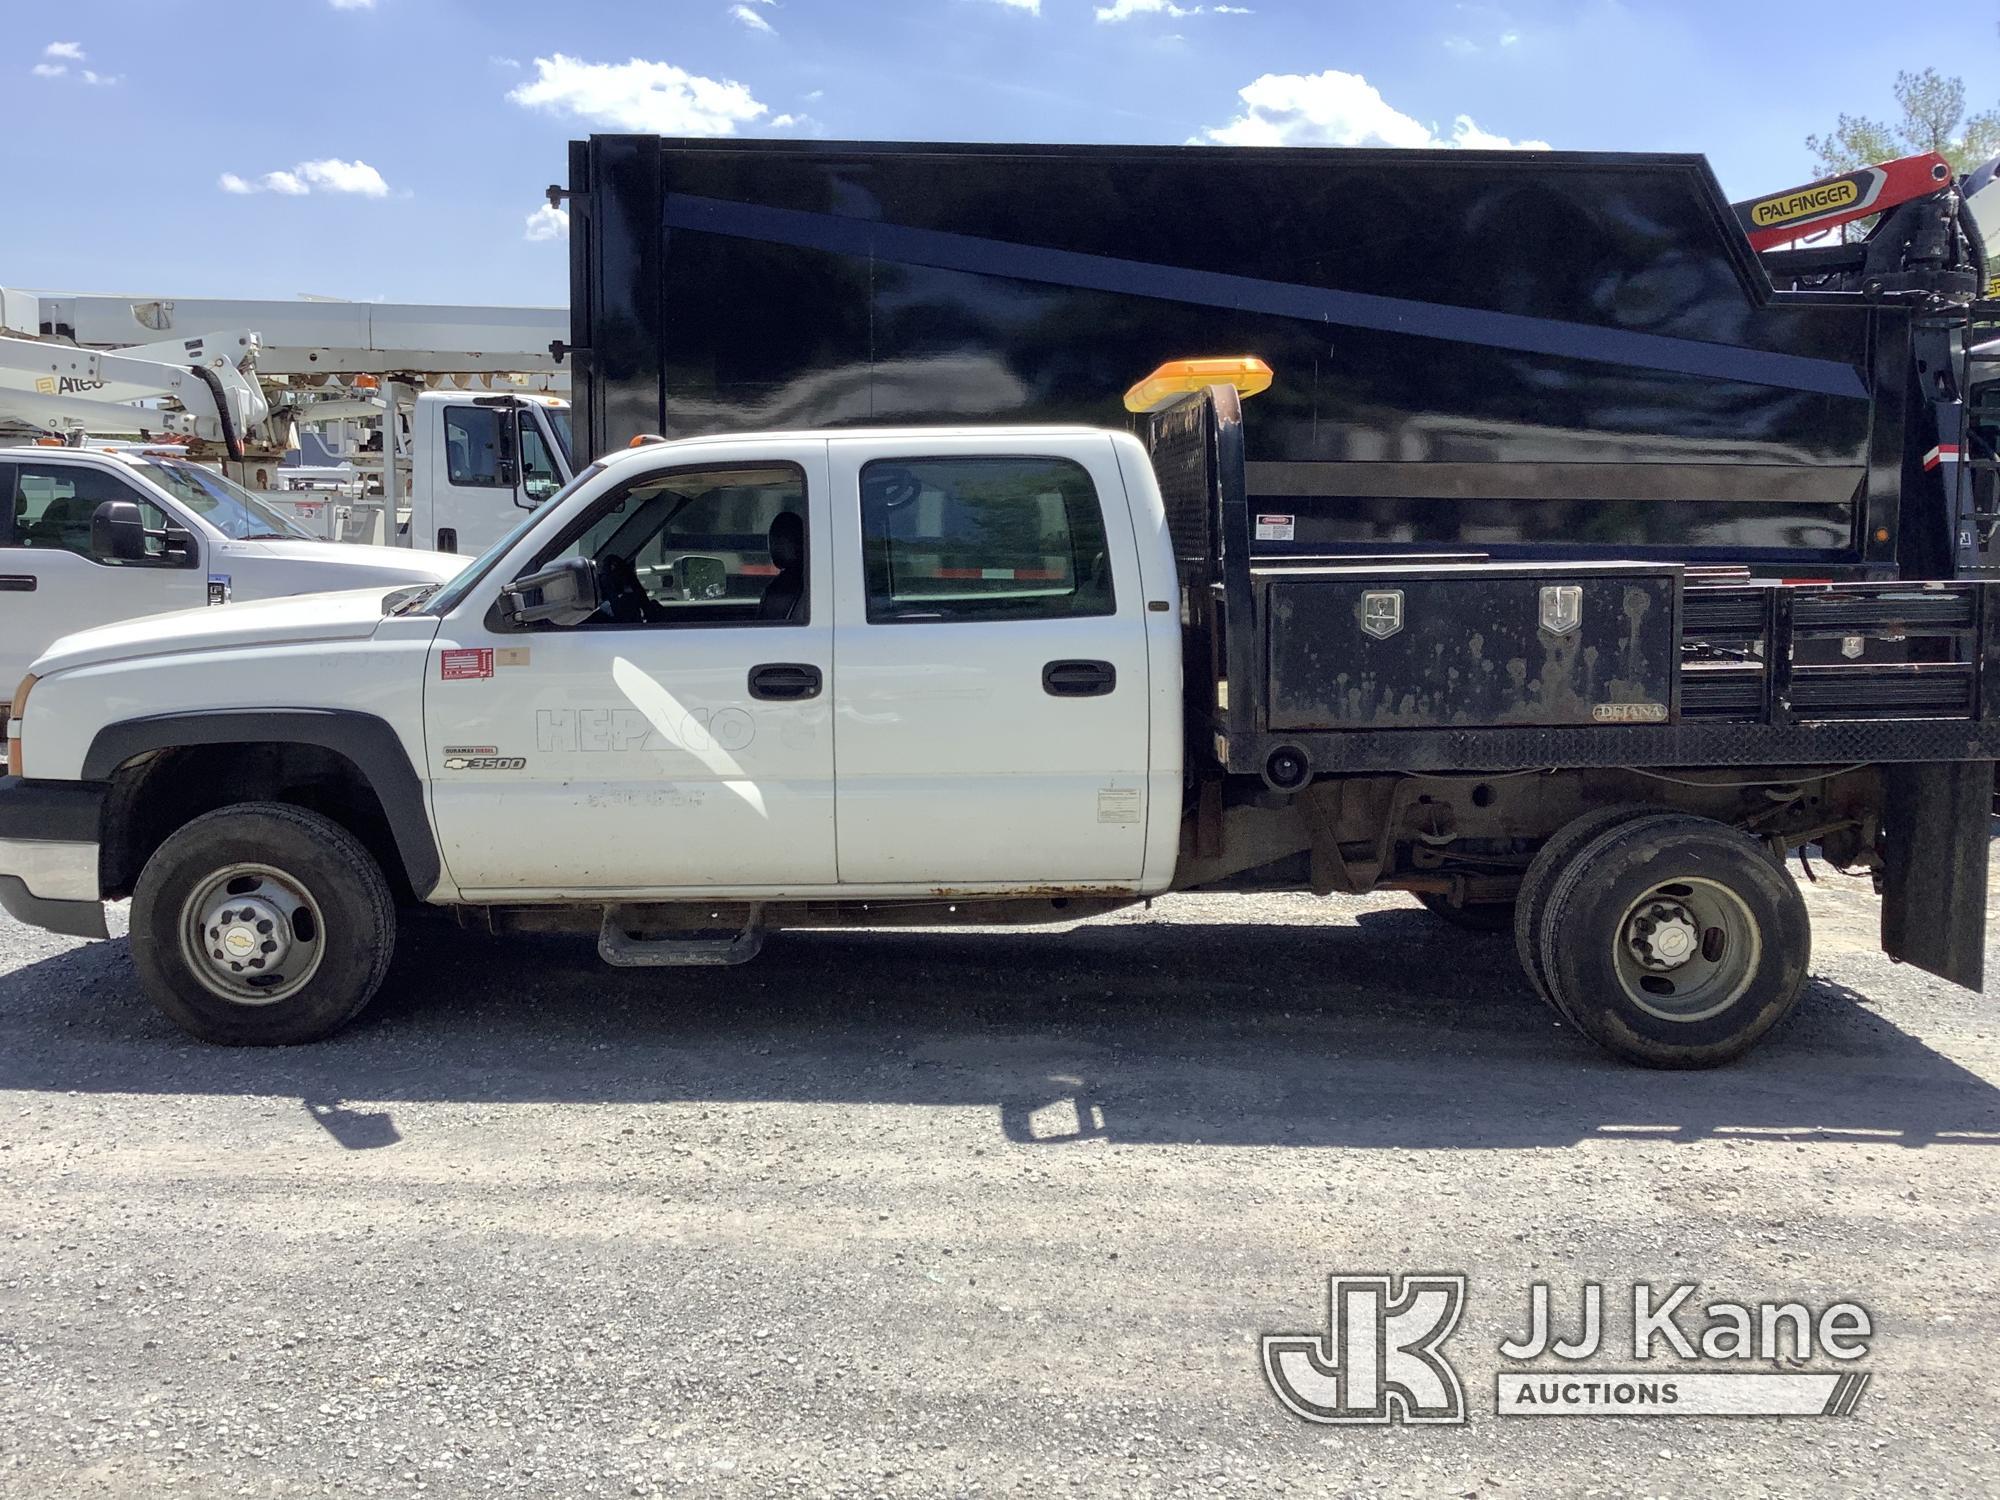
1687 949
1664 935
252 934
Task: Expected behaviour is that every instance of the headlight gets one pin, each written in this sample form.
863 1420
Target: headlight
15 710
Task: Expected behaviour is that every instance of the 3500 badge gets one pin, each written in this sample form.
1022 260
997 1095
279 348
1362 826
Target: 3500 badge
480 758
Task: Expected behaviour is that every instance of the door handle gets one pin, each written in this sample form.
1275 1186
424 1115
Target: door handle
17 583
1079 679
784 682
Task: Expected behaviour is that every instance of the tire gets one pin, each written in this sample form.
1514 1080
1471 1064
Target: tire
1549 863
294 962
1479 916
1675 942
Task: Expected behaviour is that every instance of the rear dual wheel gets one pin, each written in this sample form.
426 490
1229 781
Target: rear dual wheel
1532 899
1670 941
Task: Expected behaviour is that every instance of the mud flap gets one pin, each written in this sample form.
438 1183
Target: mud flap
1935 826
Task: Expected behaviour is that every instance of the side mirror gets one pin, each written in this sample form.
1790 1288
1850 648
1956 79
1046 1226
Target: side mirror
565 594
117 532
504 475
698 577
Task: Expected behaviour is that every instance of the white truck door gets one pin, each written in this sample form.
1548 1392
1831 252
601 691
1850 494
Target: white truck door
54 581
990 688
679 739
490 461
544 461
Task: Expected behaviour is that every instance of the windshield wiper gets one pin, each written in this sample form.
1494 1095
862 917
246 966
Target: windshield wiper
402 601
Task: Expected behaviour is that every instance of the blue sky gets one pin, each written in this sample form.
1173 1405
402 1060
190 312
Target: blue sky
394 149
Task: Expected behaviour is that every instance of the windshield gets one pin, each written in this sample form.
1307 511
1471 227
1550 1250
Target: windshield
445 600
559 420
225 505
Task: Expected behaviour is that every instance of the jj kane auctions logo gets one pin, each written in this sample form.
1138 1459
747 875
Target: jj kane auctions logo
1381 1357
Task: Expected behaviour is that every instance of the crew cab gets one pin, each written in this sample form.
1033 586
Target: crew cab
727 685
89 536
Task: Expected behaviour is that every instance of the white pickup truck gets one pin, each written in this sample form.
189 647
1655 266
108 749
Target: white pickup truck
728 685
89 536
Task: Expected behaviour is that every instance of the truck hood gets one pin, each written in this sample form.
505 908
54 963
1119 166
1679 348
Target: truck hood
296 566
350 615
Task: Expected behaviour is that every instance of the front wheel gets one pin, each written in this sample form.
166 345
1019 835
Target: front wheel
1675 942
262 924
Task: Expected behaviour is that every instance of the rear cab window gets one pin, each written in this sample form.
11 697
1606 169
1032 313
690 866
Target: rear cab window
983 539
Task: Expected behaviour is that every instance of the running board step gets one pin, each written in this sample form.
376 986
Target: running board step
617 946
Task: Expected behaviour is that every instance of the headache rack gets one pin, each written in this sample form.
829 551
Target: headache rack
1304 666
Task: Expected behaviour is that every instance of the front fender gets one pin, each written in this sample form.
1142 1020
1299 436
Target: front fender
367 742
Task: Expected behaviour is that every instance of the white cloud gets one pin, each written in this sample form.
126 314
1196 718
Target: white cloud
1125 10
353 4
653 97
505 62
67 53
1340 109
548 223
1469 136
1129 9
329 175
1032 7
1458 44
337 176
749 17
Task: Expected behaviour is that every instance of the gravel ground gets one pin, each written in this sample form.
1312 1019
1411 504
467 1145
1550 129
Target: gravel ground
955 1213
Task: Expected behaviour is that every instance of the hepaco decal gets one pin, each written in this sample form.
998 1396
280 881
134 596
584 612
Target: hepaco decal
459 663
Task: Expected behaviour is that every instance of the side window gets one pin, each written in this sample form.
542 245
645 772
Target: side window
472 444
983 539
540 478
54 504
707 547
7 505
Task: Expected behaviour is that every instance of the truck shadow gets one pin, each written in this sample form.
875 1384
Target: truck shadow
1393 1032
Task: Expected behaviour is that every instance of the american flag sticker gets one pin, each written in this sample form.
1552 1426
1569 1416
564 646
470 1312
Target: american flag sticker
458 663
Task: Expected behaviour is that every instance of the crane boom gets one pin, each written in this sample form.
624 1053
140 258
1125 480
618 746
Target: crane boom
59 386
310 337
1780 218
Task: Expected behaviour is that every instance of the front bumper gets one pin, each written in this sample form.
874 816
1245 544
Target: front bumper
48 855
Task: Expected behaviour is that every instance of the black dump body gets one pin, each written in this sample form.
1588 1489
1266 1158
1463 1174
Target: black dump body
1302 666
1518 355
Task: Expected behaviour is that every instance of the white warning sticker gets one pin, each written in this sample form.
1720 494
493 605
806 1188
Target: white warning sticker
1118 805
1276 528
